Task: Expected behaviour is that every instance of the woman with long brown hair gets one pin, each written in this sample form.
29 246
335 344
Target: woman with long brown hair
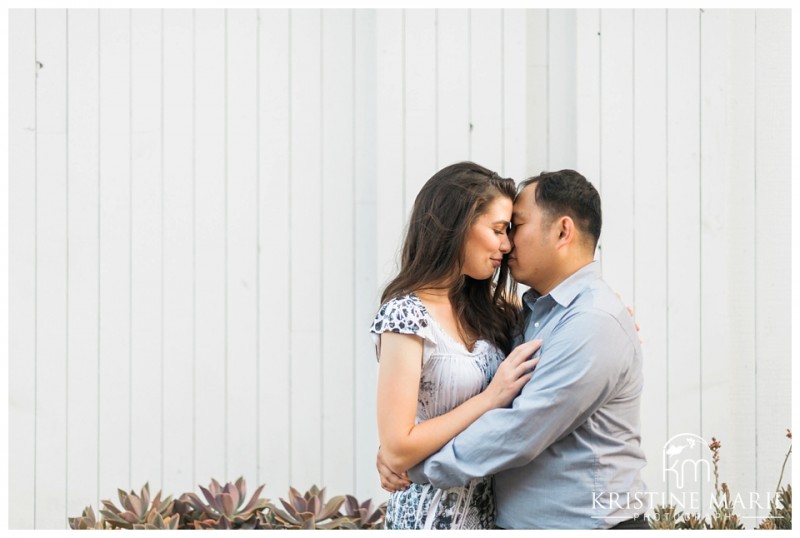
446 322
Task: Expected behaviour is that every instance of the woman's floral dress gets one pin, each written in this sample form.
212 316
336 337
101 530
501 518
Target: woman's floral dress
450 375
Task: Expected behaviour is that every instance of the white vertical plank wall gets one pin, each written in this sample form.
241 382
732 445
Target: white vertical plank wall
391 141
561 89
683 255
307 263
486 87
773 391
365 248
338 251
146 378
22 98
52 300
210 389
514 95
274 241
114 238
82 270
537 83
419 100
178 229
452 86
241 172
741 225
724 417
617 149
205 205
650 223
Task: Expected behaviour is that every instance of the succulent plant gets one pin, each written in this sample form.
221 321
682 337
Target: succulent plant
363 515
183 509
780 511
691 522
137 509
724 519
723 516
156 522
225 508
87 520
766 525
665 517
310 511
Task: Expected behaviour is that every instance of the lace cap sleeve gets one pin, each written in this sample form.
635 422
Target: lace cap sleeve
403 315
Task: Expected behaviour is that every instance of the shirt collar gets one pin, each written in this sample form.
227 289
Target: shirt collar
567 290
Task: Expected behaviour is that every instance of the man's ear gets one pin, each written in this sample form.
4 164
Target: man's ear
566 230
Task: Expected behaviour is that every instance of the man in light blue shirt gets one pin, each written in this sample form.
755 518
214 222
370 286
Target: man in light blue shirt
567 453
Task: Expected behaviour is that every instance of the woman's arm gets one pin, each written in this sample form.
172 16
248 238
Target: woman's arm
404 443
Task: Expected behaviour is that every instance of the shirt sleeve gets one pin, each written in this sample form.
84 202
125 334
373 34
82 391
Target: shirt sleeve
581 363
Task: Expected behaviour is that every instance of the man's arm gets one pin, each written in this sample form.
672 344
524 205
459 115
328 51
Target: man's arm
581 363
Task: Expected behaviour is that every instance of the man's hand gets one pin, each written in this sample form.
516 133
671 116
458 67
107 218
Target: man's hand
390 481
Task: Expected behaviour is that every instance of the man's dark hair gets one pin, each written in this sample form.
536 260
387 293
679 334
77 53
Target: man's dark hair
567 192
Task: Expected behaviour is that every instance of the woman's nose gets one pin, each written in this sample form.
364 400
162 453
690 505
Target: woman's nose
506 244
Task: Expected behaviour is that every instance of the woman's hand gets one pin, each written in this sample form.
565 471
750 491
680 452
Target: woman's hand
390 481
512 374
635 323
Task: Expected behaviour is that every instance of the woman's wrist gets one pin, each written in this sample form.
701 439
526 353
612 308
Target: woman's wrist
485 401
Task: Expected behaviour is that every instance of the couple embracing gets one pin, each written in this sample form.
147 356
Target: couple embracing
495 412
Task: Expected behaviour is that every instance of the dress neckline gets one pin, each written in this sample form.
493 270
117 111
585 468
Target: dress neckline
478 343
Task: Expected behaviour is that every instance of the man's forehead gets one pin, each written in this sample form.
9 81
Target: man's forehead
525 200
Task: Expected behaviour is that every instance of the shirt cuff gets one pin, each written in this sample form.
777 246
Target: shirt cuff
417 473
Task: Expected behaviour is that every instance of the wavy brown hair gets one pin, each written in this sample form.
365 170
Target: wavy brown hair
433 252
